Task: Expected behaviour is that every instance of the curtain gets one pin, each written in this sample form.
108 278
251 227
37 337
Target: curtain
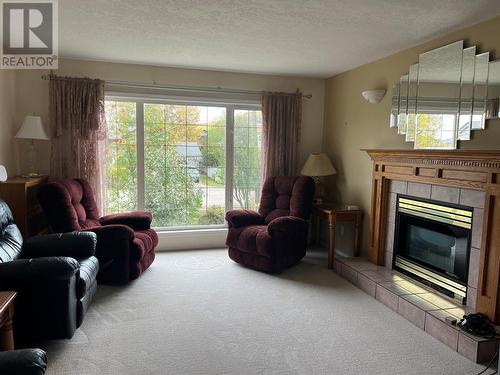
281 119
78 126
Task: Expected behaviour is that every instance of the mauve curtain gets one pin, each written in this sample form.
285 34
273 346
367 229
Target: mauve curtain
281 119
78 124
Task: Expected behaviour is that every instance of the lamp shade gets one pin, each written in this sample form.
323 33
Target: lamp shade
318 165
32 128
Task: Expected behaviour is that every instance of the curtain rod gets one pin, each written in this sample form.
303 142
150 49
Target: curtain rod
180 88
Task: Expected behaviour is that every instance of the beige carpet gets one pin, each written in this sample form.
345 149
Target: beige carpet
198 312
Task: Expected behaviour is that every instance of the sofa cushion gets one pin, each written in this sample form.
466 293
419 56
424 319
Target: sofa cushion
69 205
285 195
89 267
251 239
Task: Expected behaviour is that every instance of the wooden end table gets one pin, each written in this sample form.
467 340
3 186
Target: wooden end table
332 214
6 314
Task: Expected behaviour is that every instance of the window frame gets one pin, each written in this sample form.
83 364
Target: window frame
230 105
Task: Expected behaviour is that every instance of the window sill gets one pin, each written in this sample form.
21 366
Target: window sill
191 229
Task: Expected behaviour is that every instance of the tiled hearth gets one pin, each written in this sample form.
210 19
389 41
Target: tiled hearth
422 306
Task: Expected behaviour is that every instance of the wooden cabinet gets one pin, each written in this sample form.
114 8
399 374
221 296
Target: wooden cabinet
20 193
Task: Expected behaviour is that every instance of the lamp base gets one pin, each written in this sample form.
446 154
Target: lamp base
32 159
319 191
318 201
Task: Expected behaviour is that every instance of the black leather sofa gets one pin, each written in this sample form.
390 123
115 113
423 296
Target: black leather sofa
23 362
54 276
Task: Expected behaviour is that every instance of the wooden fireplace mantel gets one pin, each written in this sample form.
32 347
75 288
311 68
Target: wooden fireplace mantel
470 169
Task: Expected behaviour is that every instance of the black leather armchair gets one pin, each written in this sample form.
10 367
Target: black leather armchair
54 275
23 362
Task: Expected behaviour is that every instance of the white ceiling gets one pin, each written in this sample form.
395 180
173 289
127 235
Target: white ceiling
316 38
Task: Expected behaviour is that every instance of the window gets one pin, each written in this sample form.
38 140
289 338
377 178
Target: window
121 157
246 172
188 163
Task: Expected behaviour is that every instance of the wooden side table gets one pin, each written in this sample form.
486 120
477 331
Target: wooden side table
6 314
333 214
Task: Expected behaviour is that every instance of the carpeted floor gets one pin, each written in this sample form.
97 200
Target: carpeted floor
198 312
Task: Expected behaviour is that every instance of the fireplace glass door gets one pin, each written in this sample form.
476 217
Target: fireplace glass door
441 247
432 243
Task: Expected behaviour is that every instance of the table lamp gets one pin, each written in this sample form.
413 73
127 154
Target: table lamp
32 129
316 166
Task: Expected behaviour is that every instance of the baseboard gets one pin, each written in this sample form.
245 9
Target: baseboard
191 239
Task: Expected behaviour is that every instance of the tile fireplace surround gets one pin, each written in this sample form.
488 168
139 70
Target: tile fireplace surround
465 197
469 178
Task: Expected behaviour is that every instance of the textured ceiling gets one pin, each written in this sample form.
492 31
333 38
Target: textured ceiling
317 38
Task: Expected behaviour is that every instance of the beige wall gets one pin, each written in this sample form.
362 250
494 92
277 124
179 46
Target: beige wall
8 149
352 124
32 93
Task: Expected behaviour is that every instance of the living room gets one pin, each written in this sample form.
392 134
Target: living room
250 187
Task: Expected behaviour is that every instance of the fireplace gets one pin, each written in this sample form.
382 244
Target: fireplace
432 243
467 177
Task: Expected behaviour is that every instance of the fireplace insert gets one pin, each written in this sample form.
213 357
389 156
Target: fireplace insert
432 243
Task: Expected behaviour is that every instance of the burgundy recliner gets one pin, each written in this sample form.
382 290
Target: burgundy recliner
275 238
125 241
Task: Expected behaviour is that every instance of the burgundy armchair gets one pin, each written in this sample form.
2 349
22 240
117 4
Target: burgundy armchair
274 238
125 242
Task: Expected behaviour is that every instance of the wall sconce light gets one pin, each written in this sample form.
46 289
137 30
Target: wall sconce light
374 96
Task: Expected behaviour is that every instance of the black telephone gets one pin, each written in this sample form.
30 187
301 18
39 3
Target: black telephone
477 324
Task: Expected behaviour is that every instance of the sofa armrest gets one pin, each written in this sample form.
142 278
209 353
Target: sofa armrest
242 218
287 225
113 232
73 244
46 303
25 272
113 251
112 240
23 361
137 220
